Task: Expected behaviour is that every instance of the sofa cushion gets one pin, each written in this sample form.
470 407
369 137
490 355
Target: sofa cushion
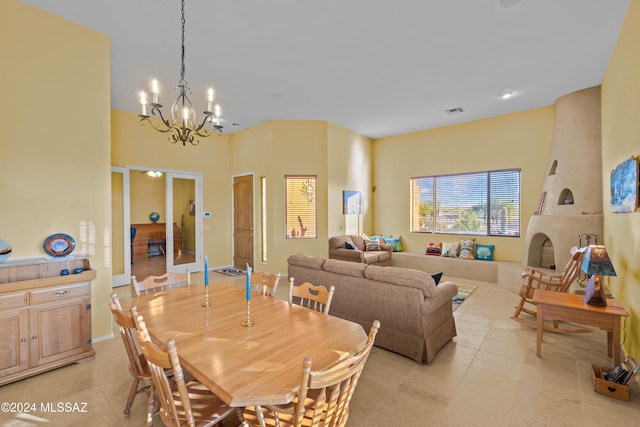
345 267
359 242
308 261
339 241
403 277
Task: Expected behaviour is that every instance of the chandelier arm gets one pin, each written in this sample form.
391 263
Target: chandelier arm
155 110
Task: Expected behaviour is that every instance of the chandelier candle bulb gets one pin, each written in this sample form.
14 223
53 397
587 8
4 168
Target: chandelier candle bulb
154 89
210 103
143 101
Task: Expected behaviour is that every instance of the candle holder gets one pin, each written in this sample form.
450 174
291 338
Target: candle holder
206 297
248 322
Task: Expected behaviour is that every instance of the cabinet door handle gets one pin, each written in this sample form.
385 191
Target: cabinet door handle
61 293
23 340
33 338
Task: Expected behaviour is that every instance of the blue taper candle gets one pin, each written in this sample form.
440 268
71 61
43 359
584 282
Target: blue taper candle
206 271
248 283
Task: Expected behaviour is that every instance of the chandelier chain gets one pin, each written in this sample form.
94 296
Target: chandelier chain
183 24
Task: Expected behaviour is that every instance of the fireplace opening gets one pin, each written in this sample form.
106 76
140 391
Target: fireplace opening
547 256
541 252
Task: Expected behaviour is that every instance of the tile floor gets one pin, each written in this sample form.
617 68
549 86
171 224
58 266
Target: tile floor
488 375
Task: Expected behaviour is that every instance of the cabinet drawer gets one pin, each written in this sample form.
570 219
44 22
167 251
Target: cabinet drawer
16 300
59 293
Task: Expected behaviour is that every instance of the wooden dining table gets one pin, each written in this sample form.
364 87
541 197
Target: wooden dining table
245 365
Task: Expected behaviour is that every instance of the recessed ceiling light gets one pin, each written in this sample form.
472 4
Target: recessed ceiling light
277 95
507 95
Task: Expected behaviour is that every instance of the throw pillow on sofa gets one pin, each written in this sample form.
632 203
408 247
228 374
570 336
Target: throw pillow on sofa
372 245
350 245
450 250
437 277
434 249
394 241
466 248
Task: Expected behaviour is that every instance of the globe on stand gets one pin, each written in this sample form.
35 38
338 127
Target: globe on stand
154 216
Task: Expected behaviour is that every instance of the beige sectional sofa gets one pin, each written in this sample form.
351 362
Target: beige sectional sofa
338 250
415 314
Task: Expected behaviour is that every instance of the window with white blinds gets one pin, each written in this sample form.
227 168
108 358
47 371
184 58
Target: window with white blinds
300 206
480 203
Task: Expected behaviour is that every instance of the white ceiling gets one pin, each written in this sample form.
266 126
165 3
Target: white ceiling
376 67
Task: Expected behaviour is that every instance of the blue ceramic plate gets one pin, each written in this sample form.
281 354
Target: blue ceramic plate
59 245
5 250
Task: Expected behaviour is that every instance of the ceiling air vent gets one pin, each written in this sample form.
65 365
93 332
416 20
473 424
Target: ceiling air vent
454 110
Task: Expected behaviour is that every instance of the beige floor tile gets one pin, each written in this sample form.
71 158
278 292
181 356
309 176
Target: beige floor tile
489 375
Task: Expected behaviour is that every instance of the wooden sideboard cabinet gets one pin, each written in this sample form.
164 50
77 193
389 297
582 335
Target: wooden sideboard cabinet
45 318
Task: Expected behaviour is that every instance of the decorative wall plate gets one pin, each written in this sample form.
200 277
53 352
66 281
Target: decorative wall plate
59 245
5 250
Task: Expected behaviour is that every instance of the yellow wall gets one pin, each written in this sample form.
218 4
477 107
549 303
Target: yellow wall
273 150
620 140
349 168
54 153
147 195
136 145
519 140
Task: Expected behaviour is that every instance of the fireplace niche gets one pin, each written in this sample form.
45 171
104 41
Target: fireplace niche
571 200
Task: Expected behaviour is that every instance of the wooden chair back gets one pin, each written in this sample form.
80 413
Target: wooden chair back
323 396
540 279
138 367
176 409
265 283
153 284
314 297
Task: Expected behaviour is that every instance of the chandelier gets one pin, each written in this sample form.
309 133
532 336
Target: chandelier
183 125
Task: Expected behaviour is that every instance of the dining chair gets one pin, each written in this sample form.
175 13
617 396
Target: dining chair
138 367
323 396
156 244
182 402
265 283
153 284
315 297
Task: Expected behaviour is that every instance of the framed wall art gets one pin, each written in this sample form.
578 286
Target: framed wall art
624 186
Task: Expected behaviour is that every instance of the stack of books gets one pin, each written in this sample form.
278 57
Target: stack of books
623 372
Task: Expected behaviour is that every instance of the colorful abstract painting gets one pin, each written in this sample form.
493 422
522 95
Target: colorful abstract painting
624 187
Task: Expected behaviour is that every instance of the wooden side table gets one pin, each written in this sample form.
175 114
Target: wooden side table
566 307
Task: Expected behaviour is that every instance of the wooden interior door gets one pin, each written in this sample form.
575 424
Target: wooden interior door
243 221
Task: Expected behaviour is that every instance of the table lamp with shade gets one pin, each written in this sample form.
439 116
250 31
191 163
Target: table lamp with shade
596 263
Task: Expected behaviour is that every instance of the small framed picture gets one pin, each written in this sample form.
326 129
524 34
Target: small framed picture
192 208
